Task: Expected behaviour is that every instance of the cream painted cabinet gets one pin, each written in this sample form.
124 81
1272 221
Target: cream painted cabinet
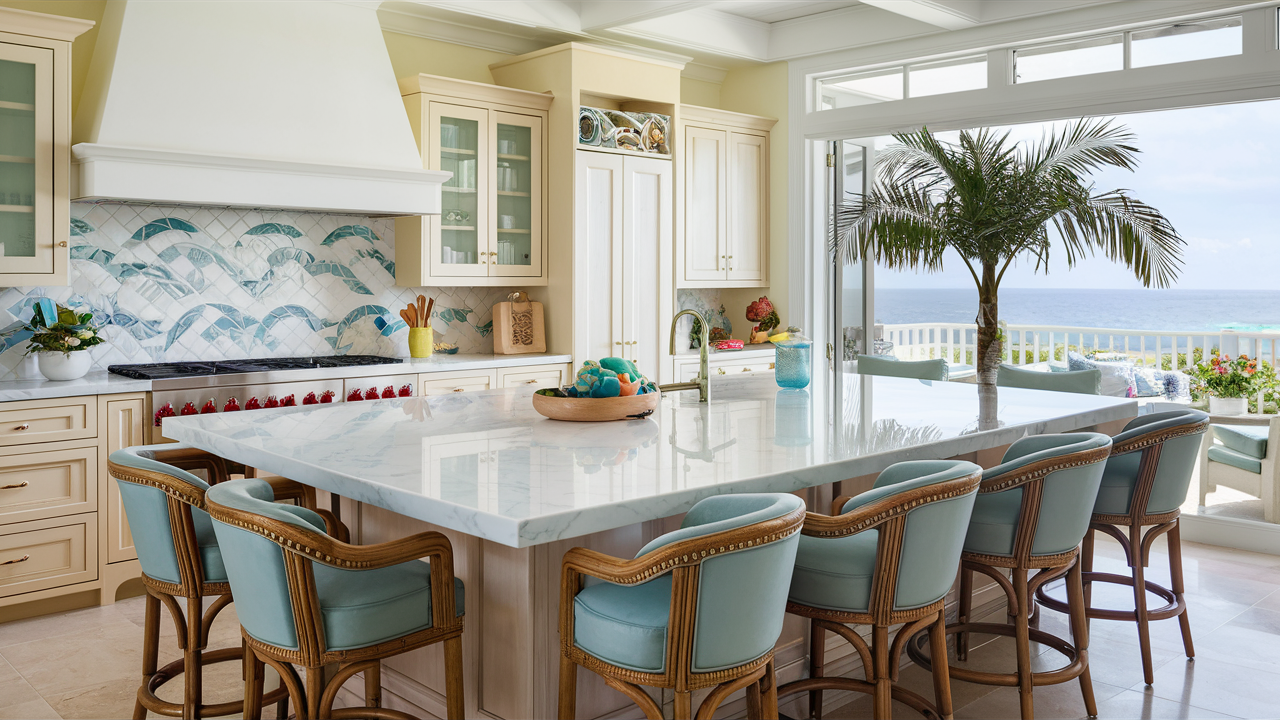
723 232
491 229
35 133
623 210
458 381
537 375
123 426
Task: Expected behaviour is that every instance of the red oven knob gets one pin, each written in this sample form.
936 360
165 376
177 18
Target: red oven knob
231 406
209 407
253 404
189 409
355 395
371 394
326 396
309 399
164 412
271 402
406 390
388 392
288 401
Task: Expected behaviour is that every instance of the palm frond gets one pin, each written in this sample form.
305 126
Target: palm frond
893 225
1128 231
1085 146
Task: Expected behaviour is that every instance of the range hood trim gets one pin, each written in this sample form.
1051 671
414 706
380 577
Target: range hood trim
113 172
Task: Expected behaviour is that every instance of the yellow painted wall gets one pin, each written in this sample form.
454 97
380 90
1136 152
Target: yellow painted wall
762 90
699 92
82 49
414 55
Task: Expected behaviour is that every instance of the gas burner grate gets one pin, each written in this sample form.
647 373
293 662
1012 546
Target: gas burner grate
162 371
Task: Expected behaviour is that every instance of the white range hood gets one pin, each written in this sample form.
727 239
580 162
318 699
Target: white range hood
248 103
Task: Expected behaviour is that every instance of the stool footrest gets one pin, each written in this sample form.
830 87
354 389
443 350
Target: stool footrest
1174 607
899 693
147 693
1079 659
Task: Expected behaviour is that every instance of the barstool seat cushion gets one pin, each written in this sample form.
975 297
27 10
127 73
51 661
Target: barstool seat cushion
1250 440
1227 456
994 523
625 625
210 554
366 607
835 574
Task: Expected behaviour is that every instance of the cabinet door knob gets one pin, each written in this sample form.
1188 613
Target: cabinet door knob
24 558
23 426
14 486
617 342
62 243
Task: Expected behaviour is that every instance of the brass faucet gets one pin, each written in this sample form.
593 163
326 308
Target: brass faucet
703 381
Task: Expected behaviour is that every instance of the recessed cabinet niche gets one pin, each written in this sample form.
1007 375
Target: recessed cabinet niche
491 228
723 234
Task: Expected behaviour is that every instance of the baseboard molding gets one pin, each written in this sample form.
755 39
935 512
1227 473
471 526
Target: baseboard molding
1234 533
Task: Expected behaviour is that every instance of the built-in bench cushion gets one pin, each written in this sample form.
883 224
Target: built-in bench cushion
1227 456
1248 440
1084 382
893 367
366 607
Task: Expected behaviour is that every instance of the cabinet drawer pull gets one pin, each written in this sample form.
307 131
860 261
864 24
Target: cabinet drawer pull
24 558
23 426
746 369
457 390
531 382
14 486
771 365
720 370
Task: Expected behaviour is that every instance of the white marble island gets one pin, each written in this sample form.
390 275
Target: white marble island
514 491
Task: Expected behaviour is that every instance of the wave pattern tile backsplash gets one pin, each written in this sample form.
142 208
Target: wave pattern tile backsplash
182 283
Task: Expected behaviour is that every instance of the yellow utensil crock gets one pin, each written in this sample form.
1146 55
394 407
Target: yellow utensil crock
421 342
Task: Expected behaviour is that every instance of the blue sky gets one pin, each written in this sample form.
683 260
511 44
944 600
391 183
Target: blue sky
1214 171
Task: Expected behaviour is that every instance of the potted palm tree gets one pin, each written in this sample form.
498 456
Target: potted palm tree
993 200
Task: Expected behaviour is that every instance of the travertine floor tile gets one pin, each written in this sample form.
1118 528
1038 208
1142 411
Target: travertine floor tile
68 662
35 710
51 626
1134 705
1220 686
109 700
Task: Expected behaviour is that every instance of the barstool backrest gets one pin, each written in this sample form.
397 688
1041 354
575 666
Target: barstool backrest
740 587
257 565
164 502
1057 478
1169 442
889 366
933 499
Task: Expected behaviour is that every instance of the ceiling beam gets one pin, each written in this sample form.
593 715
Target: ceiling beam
603 16
946 14
706 30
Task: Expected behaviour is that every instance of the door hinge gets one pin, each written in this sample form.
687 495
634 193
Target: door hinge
831 160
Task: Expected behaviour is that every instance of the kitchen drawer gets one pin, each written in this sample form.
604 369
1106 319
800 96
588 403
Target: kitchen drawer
37 421
686 371
536 375
35 485
48 553
456 382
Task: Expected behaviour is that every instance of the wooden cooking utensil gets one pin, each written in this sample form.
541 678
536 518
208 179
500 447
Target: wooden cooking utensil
407 320
413 316
422 311
427 313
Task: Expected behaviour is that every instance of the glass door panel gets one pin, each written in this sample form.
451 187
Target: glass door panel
26 159
461 232
517 179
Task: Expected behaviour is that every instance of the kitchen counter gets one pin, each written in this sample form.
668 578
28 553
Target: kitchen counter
486 464
101 382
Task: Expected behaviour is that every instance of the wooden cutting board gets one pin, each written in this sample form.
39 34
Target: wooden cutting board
518 326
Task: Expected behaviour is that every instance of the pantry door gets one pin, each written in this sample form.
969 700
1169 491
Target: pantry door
598 188
646 229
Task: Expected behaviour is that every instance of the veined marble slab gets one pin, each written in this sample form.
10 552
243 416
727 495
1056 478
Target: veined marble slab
95 382
486 464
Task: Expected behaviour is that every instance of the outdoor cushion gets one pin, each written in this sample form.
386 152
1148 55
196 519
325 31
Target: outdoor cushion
893 367
1248 440
1084 382
1227 456
835 574
1150 382
365 607
1117 377
624 625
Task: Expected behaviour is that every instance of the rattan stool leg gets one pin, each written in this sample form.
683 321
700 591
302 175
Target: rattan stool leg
882 676
966 608
1022 639
817 663
683 706
755 701
770 692
192 670
373 685
941 670
1140 609
150 649
1080 634
253 676
315 692
455 703
568 688
1174 539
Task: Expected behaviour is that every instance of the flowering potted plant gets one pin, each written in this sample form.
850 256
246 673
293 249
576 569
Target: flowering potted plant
58 341
1228 381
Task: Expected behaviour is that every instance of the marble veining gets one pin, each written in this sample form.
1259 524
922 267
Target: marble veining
486 464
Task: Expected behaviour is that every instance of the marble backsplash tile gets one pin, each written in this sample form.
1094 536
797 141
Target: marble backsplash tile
173 283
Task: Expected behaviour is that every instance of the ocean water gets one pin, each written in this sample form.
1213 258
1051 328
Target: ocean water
1148 310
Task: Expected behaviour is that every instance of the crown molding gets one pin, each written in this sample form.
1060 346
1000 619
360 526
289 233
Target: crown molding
433 28
705 73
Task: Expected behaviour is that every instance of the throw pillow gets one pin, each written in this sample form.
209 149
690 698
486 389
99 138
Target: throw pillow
1177 386
1117 378
1150 382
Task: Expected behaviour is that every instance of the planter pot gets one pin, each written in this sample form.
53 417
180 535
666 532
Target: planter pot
1228 406
64 366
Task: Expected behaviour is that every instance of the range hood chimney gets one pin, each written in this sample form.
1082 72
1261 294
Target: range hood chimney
246 103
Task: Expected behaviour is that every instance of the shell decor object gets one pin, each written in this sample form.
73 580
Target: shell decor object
615 129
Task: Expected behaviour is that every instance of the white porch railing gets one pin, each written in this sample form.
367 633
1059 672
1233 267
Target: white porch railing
1026 344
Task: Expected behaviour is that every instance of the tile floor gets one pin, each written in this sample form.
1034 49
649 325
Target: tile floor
85 663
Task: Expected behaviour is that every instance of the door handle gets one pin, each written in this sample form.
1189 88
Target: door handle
23 426
24 558
14 486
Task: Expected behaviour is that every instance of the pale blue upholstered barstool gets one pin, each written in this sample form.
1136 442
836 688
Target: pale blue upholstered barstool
305 598
1031 513
1145 482
890 366
180 558
888 557
700 607
1084 382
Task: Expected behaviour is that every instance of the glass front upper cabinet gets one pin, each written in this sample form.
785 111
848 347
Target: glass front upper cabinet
490 230
27 242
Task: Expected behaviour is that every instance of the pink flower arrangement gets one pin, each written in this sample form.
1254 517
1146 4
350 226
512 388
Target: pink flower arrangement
1227 377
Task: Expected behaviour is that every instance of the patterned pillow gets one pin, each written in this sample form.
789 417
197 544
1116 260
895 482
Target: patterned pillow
1177 386
1150 382
1117 377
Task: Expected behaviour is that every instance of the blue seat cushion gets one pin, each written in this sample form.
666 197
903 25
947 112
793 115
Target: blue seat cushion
835 574
625 625
1227 456
994 523
366 607
1248 440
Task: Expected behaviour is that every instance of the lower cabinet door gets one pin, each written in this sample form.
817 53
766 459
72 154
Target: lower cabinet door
125 426
50 553
537 376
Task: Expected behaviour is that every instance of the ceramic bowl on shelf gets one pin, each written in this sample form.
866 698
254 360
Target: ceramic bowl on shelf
634 407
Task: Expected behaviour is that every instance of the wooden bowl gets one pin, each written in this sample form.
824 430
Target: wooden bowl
596 409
